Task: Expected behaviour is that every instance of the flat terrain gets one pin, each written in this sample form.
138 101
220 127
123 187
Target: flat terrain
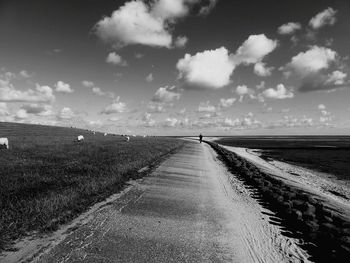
47 178
190 209
327 154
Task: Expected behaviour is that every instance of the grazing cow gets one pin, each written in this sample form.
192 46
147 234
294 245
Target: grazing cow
80 138
105 134
4 143
127 138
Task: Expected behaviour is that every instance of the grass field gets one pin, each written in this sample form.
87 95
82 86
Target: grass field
47 178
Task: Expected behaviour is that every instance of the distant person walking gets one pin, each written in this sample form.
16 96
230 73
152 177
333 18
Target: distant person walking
200 138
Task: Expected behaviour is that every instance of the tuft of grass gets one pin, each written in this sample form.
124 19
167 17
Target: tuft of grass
47 178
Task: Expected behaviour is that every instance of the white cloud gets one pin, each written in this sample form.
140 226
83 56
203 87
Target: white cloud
24 74
326 17
213 68
170 9
312 60
98 91
4 109
181 41
321 107
21 114
171 122
254 49
65 113
147 120
156 107
165 95
209 69
262 70
206 107
88 84
242 90
289 28
115 59
225 103
116 107
133 23
279 93
39 94
63 87
336 77
149 77
261 85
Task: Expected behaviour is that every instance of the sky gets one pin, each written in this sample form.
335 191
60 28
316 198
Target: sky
177 67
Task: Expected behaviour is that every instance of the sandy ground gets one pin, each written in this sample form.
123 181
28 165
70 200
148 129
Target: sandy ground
190 209
333 192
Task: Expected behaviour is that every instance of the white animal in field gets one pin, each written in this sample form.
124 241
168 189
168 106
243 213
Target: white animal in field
80 138
4 143
127 138
105 134
93 132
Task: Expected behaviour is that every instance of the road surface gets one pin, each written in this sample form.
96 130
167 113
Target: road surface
190 209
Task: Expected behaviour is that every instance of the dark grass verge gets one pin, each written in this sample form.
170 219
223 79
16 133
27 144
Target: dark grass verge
44 186
326 235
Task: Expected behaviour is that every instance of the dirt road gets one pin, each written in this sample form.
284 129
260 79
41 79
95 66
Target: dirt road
190 209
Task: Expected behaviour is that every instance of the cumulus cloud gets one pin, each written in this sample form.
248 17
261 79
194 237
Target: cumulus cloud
288 28
63 87
156 107
225 103
279 93
171 122
21 114
133 23
213 68
209 69
242 90
65 114
96 90
149 77
326 17
165 95
88 84
147 120
115 59
116 107
206 107
24 74
151 23
262 70
321 107
10 94
261 85
312 60
336 77
254 49
181 41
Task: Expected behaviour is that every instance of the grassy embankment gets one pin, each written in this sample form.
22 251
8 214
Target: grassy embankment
326 236
47 178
